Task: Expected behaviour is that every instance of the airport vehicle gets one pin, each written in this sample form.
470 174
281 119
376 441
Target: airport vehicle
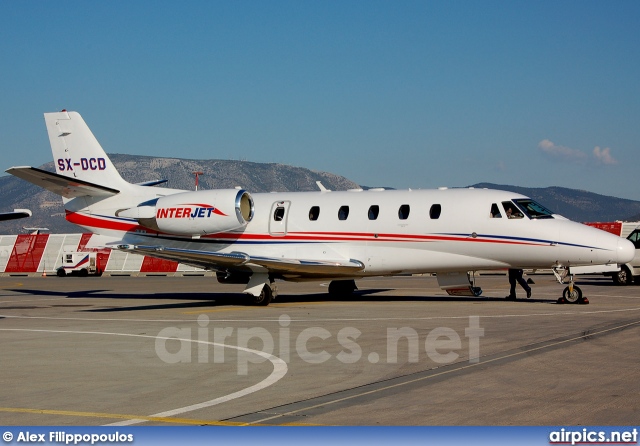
17 213
81 263
255 239
630 271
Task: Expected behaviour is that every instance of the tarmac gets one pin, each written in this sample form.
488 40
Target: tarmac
189 351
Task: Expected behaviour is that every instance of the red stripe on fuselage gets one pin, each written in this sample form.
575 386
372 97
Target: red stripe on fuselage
93 222
90 221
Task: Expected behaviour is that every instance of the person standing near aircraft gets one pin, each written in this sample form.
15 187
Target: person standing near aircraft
515 275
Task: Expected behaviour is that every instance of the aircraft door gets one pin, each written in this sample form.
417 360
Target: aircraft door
278 218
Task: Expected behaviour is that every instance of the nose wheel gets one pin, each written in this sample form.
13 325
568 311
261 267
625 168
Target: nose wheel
572 294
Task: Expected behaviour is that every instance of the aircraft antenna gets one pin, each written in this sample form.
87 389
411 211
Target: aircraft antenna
197 173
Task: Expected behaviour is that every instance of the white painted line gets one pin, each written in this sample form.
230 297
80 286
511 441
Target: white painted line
482 364
279 371
362 319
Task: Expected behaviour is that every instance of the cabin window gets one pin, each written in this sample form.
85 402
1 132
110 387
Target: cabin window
532 209
403 212
511 210
435 211
373 212
278 214
69 258
495 211
314 213
343 213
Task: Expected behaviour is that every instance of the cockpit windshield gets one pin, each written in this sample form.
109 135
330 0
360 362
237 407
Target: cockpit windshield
532 209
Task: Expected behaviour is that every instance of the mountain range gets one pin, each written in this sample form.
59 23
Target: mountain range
48 211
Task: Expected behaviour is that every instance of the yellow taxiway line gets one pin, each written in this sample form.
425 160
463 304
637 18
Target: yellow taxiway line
168 420
117 416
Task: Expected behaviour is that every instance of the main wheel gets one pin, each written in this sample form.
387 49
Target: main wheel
623 277
264 298
342 288
572 296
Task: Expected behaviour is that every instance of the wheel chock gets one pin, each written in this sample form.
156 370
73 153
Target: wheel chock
562 300
584 301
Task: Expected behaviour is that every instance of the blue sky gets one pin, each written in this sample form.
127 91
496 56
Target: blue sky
404 94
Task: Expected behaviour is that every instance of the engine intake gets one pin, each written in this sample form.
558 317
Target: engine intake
195 213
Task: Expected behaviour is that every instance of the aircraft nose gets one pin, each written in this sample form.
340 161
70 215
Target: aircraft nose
626 251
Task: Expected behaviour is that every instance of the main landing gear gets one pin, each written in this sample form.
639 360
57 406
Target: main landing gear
265 297
342 288
572 294
261 289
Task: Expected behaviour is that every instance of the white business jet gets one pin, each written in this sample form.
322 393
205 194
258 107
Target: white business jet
326 235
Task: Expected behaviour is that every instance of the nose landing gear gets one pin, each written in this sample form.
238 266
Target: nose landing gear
572 294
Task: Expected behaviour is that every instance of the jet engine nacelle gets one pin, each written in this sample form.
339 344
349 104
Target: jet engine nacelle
195 213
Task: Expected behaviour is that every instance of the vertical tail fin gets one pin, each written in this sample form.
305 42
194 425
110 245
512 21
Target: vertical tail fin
77 153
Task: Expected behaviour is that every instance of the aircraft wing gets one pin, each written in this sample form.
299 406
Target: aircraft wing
59 184
17 213
241 261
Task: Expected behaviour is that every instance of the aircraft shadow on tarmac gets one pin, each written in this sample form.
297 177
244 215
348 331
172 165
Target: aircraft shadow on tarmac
208 300
369 296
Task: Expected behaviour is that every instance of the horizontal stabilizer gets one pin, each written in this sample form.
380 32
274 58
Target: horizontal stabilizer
59 184
17 213
152 183
241 261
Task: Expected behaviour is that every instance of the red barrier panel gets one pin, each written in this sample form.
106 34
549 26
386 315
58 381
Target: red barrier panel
27 253
614 227
153 265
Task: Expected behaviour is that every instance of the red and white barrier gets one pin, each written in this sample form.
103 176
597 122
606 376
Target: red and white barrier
38 254
619 228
